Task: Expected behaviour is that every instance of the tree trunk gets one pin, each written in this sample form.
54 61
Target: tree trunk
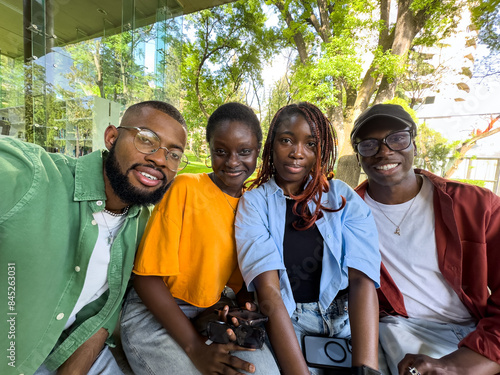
399 41
365 92
407 27
348 170
386 90
336 114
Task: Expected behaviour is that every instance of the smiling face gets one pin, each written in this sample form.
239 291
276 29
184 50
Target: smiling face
387 168
234 149
294 153
138 178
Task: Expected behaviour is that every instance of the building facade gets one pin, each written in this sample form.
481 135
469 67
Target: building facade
68 68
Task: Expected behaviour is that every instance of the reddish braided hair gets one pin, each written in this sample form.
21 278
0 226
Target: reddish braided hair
326 154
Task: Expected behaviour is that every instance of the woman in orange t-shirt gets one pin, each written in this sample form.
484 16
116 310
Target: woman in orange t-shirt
188 255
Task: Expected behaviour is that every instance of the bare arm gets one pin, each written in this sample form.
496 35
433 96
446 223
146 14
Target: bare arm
462 361
363 315
208 359
84 357
279 327
245 299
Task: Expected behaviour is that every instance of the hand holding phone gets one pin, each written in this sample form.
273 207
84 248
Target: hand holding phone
244 317
246 336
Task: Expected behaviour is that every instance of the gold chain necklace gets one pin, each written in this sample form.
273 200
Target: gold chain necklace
223 194
227 200
398 226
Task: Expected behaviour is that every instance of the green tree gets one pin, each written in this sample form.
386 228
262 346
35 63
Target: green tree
223 58
12 82
332 36
109 68
434 152
486 15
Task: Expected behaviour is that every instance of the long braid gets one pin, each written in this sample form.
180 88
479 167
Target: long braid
326 154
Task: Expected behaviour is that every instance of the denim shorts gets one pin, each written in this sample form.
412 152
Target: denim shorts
311 319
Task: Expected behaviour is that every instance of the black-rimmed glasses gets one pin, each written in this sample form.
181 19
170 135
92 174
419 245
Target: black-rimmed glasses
148 142
397 141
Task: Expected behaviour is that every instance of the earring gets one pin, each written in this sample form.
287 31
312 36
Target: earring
207 161
415 152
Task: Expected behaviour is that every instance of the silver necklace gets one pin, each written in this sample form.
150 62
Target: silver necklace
125 211
110 238
398 226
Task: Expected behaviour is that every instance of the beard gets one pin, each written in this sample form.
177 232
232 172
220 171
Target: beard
122 187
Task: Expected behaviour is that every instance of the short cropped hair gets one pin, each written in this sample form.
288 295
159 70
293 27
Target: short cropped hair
164 107
234 112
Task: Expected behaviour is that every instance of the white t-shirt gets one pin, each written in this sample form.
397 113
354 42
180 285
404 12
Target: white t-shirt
411 258
96 279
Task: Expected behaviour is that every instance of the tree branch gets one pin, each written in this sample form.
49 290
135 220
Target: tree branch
465 147
297 36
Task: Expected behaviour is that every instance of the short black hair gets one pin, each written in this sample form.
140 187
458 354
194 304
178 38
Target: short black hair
164 107
234 112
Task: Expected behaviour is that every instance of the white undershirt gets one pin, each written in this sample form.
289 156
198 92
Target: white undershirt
96 279
411 258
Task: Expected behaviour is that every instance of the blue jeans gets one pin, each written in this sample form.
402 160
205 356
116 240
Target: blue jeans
399 336
151 350
311 319
104 364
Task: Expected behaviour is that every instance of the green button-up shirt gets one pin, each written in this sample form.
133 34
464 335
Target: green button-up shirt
47 235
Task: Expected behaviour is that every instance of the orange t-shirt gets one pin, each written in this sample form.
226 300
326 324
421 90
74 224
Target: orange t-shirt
189 240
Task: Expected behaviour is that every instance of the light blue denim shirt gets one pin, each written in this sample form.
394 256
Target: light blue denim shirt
350 239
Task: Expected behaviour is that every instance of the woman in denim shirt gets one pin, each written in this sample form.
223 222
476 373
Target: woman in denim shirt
303 238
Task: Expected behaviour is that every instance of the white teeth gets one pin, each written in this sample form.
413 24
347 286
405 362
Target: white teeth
386 167
147 175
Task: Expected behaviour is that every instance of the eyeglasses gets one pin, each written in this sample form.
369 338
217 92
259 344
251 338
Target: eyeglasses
246 336
148 142
397 141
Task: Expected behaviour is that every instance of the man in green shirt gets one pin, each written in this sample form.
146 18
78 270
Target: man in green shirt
69 229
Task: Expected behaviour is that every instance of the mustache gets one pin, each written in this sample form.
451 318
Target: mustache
148 166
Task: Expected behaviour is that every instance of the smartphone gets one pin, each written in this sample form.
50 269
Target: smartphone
245 317
249 318
328 353
246 335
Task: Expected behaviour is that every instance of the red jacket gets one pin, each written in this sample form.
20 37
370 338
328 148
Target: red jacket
468 246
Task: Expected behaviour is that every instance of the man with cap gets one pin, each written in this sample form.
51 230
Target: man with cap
440 245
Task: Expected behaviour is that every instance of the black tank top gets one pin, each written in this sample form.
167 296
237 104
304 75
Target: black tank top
303 255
